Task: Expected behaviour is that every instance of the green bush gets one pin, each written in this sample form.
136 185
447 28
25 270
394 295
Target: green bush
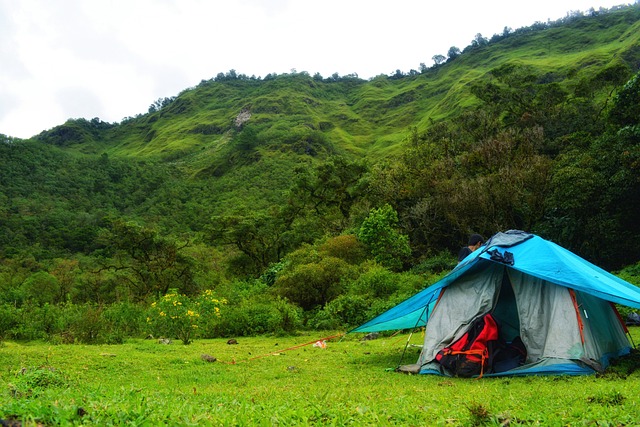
289 316
8 319
259 315
42 287
38 322
321 320
631 274
82 323
315 284
348 310
443 261
346 247
380 234
122 320
377 281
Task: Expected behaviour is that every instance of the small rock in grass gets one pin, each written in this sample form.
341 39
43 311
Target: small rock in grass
371 336
9 422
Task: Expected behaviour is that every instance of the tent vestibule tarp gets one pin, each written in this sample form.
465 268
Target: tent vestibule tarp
559 304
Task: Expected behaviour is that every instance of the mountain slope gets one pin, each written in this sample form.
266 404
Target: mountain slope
313 116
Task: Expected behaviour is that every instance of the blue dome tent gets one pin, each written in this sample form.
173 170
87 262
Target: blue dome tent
558 304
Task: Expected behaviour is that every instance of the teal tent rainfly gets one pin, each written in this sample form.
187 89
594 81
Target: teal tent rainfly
560 306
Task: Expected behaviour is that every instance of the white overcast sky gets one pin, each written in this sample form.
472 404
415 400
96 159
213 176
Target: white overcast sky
62 59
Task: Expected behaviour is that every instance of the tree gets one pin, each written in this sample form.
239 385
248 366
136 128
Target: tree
479 41
379 233
149 263
263 238
313 284
596 188
42 288
453 53
397 75
626 108
438 59
328 191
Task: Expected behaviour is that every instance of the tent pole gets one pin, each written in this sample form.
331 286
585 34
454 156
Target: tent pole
633 344
426 307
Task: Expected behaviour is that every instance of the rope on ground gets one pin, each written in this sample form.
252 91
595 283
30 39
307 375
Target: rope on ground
234 362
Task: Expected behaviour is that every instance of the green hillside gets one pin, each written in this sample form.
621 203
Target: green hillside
318 116
311 194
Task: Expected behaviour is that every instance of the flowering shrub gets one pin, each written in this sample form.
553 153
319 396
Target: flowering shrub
179 316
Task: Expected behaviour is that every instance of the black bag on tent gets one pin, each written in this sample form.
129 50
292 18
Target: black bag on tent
472 353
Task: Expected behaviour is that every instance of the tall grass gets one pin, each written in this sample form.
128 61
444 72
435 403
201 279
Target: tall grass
279 381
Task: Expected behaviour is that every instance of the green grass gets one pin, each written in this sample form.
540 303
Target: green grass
143 382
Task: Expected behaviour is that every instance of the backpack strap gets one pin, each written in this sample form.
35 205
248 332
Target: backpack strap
483 354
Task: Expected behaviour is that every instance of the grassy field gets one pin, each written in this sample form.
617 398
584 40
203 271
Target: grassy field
281 381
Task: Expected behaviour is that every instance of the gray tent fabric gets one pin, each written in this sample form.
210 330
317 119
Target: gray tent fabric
548 323
508 238
459 305
604 333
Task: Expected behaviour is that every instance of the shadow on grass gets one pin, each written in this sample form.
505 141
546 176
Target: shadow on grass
623 367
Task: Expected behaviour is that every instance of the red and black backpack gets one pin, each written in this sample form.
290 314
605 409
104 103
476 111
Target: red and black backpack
471 355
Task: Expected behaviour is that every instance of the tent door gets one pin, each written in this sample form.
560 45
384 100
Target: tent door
506 311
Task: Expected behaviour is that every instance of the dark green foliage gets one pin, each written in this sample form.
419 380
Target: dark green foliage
443 261
347 311
312 284
595 192
42 288
376 282
152 264
262 239
8 319
326 192
626 109
380 235
122 320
